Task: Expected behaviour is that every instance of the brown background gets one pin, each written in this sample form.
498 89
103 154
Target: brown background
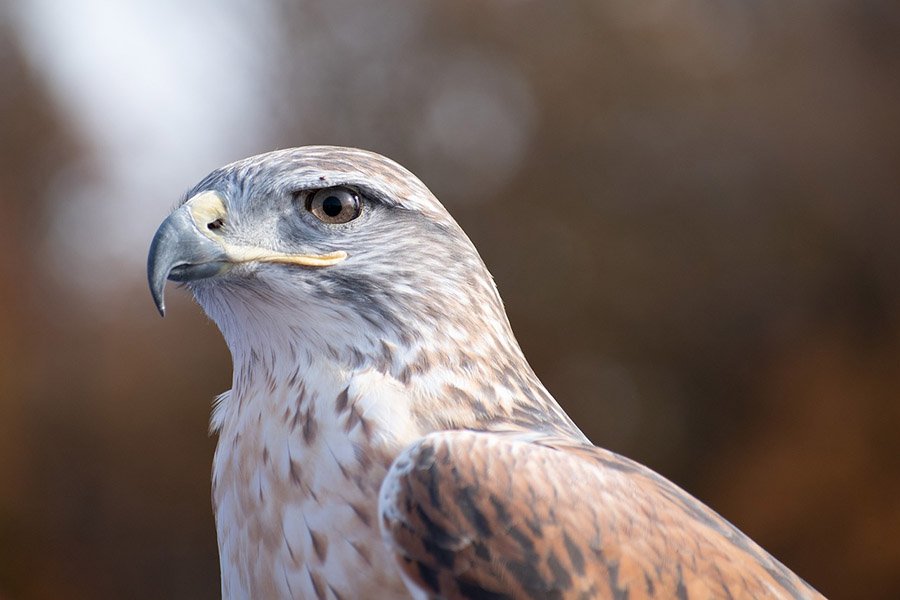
690 208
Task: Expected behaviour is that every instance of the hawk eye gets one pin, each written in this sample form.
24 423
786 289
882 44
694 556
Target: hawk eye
334 205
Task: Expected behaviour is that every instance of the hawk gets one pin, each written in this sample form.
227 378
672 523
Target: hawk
384 435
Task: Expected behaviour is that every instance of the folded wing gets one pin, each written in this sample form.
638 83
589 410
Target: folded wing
502 515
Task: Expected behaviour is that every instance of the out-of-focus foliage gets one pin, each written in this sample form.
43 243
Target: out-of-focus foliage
691 209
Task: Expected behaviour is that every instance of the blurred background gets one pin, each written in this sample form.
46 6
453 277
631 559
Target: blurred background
690 207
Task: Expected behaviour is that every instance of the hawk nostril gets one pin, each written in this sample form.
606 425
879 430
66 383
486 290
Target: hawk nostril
217 224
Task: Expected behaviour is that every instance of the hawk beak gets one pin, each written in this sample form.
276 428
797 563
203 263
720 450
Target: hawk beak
189 246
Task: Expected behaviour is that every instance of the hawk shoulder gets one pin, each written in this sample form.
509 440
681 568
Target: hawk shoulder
510 515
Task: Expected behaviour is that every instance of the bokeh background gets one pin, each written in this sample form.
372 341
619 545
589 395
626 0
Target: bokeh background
690 207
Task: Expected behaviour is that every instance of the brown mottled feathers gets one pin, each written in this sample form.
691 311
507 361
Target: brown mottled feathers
491 515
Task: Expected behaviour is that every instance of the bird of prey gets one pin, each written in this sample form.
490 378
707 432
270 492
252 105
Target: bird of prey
384 436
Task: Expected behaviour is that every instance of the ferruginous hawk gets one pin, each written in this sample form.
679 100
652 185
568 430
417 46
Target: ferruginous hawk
384 436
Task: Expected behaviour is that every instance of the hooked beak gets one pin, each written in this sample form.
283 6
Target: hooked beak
189 246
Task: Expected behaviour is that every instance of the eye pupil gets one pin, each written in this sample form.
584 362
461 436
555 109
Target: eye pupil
332 206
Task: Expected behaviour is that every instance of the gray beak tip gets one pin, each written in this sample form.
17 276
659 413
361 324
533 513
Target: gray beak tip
157 273
157 290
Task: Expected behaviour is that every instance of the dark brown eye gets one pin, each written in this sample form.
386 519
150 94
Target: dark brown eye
334 205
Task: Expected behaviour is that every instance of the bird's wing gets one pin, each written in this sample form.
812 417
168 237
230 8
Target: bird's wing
489 515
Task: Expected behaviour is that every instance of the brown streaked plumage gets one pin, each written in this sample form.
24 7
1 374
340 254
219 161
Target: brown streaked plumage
384 435
486 515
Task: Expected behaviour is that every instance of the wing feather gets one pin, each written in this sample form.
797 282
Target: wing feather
492 515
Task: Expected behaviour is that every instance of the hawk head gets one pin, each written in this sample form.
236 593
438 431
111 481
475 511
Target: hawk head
334 250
